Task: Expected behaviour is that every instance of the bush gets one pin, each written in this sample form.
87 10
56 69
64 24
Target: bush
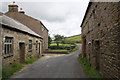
75 48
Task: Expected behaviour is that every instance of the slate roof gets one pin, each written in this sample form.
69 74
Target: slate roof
9 22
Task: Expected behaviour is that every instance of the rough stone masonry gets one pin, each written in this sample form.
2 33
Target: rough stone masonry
101 37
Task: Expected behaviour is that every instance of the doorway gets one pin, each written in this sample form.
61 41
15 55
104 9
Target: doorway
84 47
22 52
97 52
39 50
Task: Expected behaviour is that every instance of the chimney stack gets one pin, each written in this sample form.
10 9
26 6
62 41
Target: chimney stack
21 11
13 7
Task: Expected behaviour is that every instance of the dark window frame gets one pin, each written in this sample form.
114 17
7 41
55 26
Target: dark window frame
8 46
36 45
30 45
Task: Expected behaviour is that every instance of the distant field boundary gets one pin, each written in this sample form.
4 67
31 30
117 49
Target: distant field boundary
73 36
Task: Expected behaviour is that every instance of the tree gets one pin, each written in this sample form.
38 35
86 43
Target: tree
58 38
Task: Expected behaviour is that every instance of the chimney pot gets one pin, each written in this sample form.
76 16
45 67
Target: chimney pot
13 7
21 11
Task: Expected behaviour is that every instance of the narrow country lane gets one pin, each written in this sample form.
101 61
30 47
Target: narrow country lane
64 66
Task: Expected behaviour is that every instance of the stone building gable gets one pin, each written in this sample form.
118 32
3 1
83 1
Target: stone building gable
34 24
26 20
16 39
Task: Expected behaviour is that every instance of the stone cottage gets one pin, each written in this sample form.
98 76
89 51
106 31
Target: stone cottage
32 23
101 37
18 41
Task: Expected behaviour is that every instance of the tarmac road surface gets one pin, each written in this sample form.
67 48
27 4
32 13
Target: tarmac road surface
56 66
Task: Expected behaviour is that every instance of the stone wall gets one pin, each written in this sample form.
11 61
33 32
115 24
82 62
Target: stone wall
101 30
45 39
19 37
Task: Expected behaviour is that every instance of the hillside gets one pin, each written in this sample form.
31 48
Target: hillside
73 39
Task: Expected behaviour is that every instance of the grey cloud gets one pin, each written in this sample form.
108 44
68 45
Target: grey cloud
51 12
59 17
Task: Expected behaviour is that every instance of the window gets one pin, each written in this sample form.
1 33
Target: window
30 44
8 49
36 45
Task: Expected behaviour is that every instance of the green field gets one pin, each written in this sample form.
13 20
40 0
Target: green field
57 50
54 44
73 39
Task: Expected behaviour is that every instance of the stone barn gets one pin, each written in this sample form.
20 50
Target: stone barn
18 41
101 37
32 23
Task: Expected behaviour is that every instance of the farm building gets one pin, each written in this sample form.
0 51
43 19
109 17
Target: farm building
101 37
18 41
32 23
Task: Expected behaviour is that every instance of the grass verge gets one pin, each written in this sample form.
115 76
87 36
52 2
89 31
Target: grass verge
9 70
30 60
89 70
15 67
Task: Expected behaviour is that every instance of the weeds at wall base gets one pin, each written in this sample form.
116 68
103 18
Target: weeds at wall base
8 71
30 60
89 70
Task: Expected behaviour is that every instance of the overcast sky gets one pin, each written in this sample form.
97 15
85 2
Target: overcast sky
59 17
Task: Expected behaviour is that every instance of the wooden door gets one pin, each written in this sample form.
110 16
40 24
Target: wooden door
97 52
22 52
